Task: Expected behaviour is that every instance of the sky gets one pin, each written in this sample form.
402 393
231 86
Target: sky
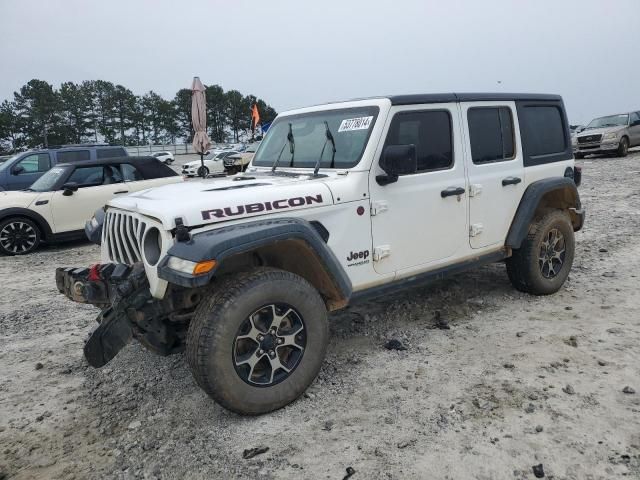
305 52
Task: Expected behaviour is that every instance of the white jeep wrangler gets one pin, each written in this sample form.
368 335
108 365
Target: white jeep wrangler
341 201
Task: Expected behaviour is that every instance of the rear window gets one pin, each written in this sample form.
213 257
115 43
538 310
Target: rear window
491 134
102 153
544 130
73 156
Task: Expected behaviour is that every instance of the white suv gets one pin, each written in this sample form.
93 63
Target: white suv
341 202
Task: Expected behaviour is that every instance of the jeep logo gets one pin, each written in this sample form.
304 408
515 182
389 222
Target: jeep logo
353 256
260 207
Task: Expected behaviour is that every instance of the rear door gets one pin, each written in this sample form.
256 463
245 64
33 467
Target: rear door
97 184
418 222
495 170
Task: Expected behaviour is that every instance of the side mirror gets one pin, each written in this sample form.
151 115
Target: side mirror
69 188
17 170
397 160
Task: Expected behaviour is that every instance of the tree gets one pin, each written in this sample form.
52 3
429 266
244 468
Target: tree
238 111
98 110
182 109
125 109
75 108
37 105
216 112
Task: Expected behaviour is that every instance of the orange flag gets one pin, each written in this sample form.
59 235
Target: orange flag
255 116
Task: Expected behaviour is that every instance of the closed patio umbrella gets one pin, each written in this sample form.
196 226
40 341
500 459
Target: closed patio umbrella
201 141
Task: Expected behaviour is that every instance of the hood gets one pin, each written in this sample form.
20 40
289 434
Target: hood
17 198
600 131
232 198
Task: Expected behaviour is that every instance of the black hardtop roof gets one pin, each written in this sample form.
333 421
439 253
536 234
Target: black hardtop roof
115 161
469 97
150 167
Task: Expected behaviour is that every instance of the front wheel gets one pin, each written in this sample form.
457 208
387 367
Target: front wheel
19 236
203 171
542 263
623 147
258 341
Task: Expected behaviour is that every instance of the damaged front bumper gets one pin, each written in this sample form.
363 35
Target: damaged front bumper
128 309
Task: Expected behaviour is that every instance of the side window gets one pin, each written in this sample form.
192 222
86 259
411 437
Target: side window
491 134
130 173
102 153
430 132
543 130
95 176
73 156
36 163
635 118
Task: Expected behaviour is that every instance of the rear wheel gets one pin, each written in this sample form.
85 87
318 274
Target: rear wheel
18 236
623 147
542 263
258 341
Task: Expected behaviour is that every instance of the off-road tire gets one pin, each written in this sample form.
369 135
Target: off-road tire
523 267
623 147
23 224
213 330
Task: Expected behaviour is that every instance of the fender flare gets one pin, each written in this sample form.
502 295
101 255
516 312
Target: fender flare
532 198
31 215
265 235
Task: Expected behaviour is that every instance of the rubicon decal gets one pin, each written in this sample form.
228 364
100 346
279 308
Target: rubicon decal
250 208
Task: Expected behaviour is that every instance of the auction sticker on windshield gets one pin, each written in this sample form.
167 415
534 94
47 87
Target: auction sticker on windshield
350 124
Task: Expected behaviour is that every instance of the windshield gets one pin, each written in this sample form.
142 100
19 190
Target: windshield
610 121
46 182
350 128
5 164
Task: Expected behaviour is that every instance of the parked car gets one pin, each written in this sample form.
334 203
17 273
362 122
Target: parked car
378 195
212 164
4 158
21 170
239 161
613 134
56 207
165 157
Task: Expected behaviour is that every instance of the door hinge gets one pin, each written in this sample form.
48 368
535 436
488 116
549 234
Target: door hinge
380 252
379 207
475 189
475 229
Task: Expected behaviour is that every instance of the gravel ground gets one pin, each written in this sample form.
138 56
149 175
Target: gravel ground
515 382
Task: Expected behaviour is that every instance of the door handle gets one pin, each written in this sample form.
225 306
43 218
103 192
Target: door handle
452 191
510 181
120 191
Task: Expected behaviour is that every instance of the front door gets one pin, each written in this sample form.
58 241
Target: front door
420 221
27 170
634 129
495 170
96 186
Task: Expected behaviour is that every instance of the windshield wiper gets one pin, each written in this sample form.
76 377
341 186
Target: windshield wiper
292 149
329 138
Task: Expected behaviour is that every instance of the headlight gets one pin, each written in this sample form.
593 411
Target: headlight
610 136
190 268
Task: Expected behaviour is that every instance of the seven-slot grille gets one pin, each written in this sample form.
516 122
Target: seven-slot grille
122 236
589 139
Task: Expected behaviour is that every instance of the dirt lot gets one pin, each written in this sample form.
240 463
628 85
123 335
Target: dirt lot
516 381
